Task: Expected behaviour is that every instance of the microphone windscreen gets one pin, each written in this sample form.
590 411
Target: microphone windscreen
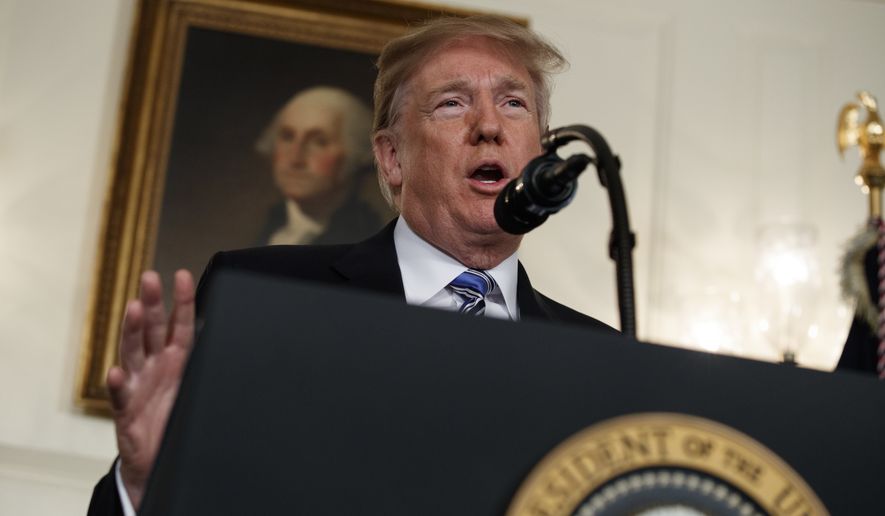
512 213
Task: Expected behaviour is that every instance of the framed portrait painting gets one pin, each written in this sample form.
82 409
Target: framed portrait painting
211 152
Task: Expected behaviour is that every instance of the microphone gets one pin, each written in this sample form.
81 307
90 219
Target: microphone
547 184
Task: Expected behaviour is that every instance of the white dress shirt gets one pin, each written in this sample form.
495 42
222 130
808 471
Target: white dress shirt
128 510
426 273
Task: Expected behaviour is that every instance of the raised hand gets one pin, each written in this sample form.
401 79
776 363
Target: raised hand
153 351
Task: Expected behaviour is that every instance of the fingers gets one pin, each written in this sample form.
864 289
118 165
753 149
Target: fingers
151 297
132 337
116 381
181 322
145 330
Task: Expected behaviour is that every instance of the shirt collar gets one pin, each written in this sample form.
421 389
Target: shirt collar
426 270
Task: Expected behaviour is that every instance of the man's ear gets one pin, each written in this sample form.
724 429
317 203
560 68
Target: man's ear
384 147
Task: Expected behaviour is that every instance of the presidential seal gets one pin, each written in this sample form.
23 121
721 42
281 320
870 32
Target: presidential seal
661 464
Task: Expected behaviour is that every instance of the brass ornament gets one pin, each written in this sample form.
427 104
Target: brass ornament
868 136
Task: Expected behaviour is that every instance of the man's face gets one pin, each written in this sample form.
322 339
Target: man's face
309 155
468 125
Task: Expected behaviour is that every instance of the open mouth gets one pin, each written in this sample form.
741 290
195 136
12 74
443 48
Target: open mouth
488 174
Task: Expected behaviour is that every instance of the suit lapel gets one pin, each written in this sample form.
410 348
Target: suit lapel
372 264
531 306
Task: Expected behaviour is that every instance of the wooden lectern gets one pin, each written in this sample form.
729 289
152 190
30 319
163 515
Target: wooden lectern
304 400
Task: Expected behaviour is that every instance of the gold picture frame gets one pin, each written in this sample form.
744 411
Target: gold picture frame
152 110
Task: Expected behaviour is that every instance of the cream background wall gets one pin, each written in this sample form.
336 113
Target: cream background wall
61 66
723 113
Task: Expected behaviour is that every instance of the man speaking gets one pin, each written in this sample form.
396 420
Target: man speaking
460 105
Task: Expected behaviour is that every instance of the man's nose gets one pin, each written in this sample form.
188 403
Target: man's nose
296 152
487 126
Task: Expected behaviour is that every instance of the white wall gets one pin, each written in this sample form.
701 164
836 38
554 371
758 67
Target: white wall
61 65
723 114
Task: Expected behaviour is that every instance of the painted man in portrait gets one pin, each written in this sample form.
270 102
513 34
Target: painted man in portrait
321 157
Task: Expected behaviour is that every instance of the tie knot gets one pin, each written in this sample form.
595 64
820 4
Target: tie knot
473 286
473 282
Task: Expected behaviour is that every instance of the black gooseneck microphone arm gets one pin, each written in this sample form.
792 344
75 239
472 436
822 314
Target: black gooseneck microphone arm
622 239
547 184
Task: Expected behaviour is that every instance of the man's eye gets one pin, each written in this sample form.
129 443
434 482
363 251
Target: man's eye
515 103
449 103
285 135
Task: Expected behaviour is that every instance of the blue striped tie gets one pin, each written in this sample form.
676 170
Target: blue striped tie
472 286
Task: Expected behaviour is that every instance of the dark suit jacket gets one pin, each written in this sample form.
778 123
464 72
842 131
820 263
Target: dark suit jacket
370 265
